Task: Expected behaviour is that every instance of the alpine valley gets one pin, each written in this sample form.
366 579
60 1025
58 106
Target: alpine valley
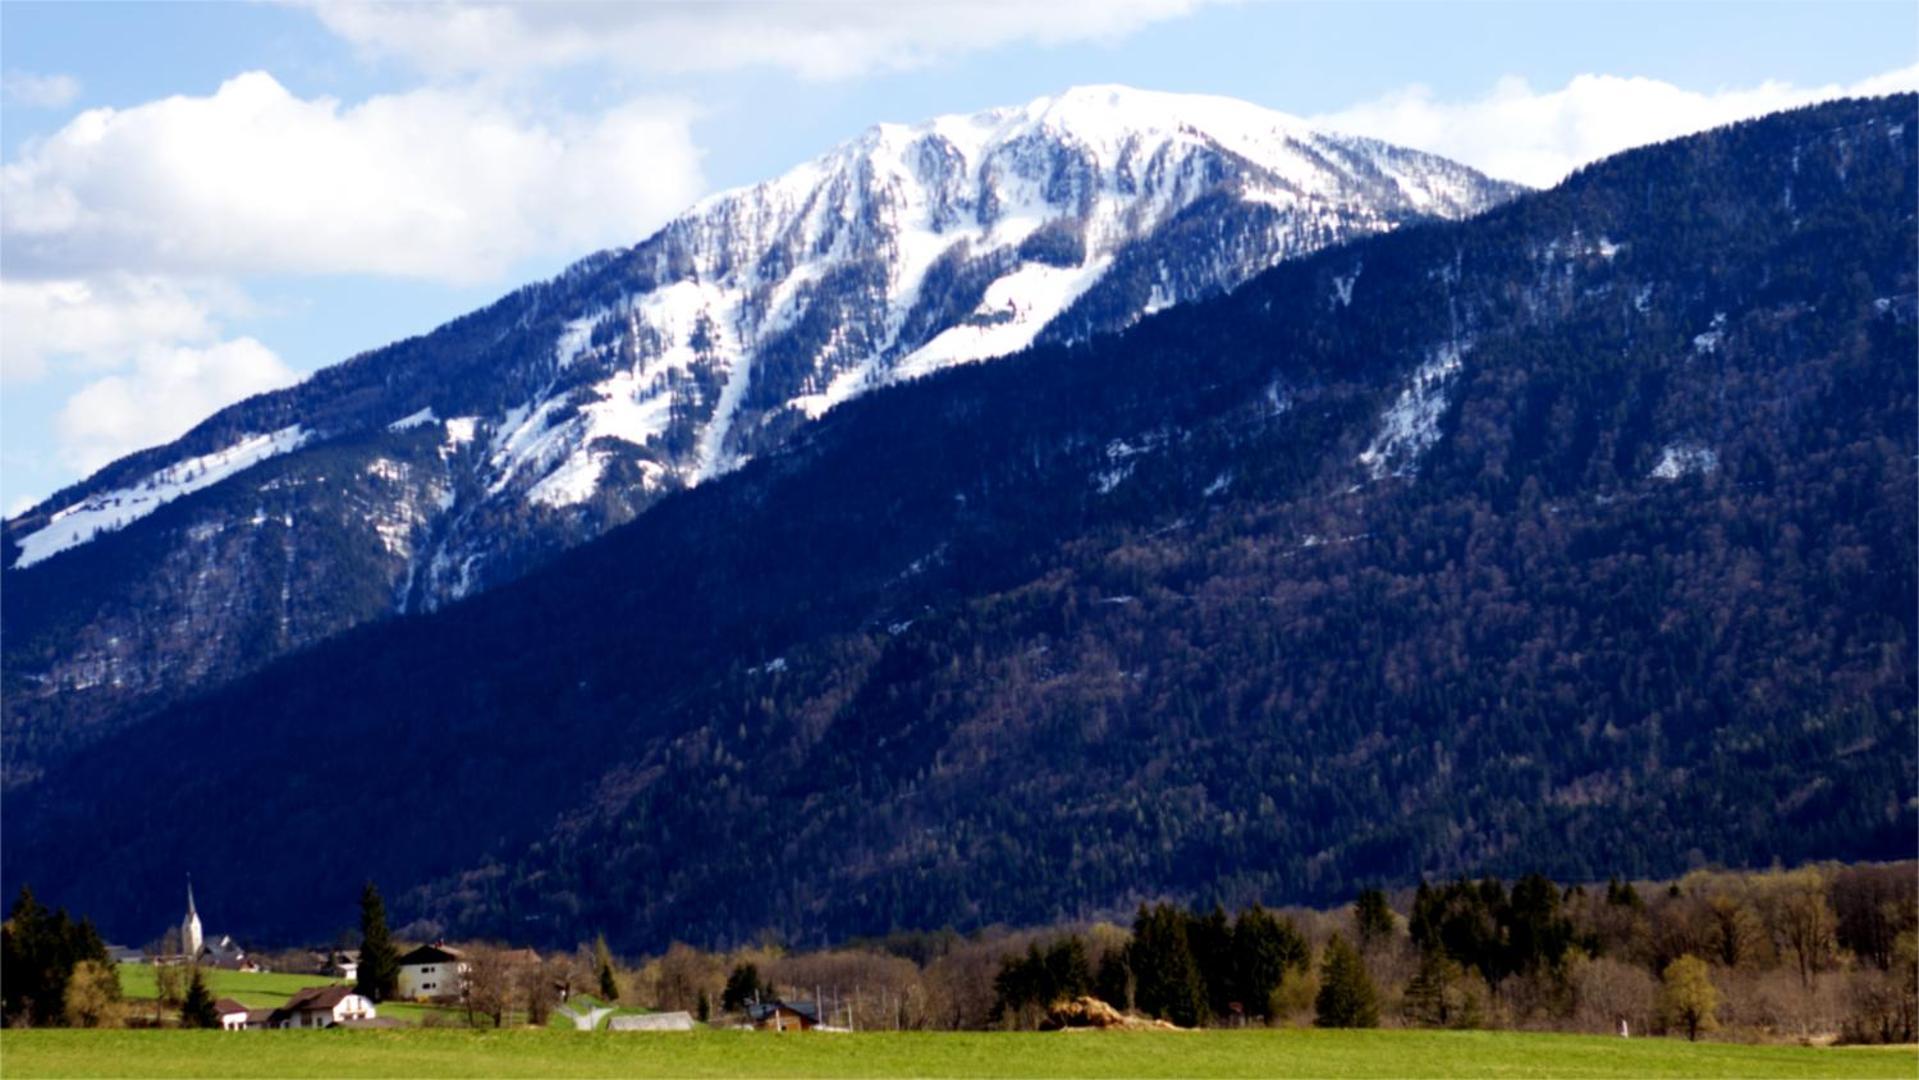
442 466
708 590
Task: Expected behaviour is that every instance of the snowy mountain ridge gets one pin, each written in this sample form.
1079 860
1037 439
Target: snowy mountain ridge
906 250
447 464
1102 167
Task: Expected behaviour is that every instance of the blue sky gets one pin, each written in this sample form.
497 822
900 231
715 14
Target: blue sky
380 169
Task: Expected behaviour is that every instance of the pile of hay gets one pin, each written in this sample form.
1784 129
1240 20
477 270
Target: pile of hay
1092 1014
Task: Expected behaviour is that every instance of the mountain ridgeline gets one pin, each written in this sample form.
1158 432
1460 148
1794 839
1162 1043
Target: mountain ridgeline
1578 537
445 465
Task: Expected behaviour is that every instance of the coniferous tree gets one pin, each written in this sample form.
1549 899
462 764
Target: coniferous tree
1166 980
1436 995
1068 974
1265 948
603 960
1536 929
742 988
704 1009
197 1010
39 950
1211 939
1028 985
1372 920
1113 982
379 975
1347 998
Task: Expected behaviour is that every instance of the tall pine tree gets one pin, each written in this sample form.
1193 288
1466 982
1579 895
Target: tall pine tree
198 1011
1265 948
379 960
1347 998
603 960
1372 920
1166 980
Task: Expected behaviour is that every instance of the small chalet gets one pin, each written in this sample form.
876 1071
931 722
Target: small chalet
431 971
342 964
233 1015
322 1006
783 1015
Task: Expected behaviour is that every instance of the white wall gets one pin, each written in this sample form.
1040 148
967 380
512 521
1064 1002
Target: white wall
430 980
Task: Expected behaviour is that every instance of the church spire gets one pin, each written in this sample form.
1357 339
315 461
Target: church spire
190 935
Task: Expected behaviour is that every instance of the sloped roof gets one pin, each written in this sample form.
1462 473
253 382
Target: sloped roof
228 1006
764 1009
668 1021
430 954
317 997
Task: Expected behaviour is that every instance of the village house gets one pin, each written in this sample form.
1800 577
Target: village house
233 1015
783 1016
431 971
322 1006
342 964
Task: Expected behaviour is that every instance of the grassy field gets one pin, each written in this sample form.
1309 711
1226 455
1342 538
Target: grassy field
544 1053
256 990
247 988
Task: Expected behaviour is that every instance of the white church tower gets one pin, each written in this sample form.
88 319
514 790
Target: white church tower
190 935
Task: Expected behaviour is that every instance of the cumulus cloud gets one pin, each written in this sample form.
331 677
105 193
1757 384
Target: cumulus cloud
33 91
168 390
813 40
100 322
450 184
1537 137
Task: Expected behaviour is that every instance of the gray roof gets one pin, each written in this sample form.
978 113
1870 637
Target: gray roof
666 1021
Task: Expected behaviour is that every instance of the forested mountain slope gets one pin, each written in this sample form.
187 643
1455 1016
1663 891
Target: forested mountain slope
443 465
1578 537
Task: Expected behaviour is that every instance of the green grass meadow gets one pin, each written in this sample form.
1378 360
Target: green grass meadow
548 1053
253 989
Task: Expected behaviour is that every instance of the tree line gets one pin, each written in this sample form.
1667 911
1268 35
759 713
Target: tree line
1820 951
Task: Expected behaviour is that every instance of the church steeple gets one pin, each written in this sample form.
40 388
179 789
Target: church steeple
190 935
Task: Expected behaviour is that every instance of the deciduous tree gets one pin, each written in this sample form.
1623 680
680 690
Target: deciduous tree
1687 998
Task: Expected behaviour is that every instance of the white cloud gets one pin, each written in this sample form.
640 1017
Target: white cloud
815 40
1537 137
101 322
169 390
38 91
450 184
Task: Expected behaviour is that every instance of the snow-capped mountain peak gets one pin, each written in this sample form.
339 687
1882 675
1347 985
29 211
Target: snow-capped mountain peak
905 250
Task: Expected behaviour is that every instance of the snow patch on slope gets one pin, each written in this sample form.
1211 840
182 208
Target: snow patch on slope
112 510
1410 426
1685 459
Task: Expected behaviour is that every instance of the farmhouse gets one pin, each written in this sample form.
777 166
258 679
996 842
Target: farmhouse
783 1016
233 1015
431 971
321 1006
342 964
